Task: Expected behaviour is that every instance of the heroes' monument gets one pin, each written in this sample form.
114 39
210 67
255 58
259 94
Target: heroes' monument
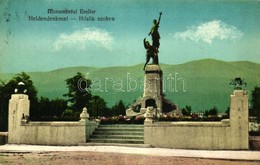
153 80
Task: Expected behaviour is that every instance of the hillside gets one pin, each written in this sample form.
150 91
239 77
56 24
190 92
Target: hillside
201 84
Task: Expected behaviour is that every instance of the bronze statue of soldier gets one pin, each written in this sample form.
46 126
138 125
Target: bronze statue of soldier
155 33
153 50
150 53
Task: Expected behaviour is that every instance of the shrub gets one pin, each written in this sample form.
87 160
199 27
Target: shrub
193 117
121 120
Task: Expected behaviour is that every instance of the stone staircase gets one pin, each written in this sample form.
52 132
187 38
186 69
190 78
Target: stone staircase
118 134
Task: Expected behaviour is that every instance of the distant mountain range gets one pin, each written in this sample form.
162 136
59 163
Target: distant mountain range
201 84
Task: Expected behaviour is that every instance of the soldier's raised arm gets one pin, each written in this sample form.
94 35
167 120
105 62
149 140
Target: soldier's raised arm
159 18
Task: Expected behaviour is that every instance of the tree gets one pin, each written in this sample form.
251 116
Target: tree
43 107
3 108
118 109
121 108
98 107
79 94
69 115
8 89
255 109
58 106
50 109
5 95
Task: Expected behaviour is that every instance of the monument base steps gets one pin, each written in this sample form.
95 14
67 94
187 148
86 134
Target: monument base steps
119 135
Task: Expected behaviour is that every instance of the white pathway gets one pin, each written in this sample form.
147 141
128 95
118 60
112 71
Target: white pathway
217 154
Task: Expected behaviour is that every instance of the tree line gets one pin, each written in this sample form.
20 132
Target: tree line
63 109
70 107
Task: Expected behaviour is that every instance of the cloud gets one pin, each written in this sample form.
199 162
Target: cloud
80 39
209 31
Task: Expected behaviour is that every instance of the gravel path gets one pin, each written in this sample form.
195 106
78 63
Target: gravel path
34 154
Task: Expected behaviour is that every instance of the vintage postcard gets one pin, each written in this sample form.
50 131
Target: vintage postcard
128 73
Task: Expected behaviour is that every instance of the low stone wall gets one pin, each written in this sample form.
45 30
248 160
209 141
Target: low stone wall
22 131
52 133
228 134
190 135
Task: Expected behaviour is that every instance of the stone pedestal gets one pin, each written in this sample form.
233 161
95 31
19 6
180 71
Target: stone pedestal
153 93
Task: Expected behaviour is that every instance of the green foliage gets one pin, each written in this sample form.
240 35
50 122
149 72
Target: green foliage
186 111
97 107
118 109
6 90
67 112
3 121
255 109
211 112
70 115
79 94
227 112
43 109
48 110
203 88
5 95
122 120
191 118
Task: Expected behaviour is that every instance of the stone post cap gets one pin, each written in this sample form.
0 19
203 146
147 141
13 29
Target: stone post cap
149 112
21 83
238 83
85 109
21 88
84 114
239 92
152 67
149 115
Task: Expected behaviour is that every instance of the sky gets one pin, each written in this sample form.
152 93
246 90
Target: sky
190 30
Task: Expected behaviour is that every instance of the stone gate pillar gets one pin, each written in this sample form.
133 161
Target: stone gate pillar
19 106
239 120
